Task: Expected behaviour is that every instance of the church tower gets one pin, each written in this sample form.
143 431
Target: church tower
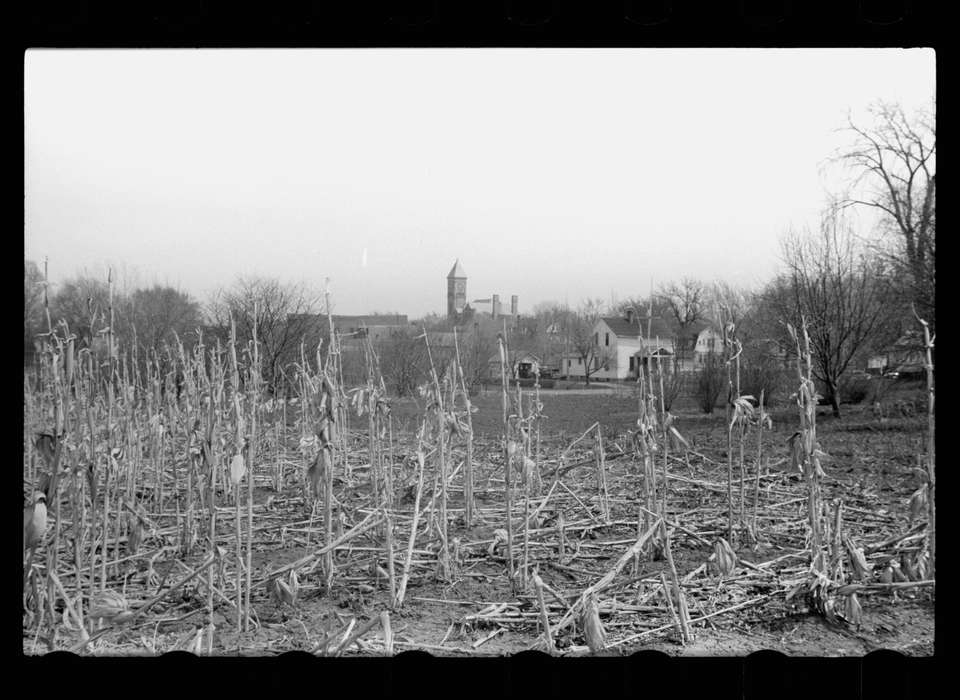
456 290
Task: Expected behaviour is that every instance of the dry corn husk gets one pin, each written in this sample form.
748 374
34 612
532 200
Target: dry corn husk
592 626
726 558
918 503
858 562
238 467
499 537
908 566
109 605
286 591
852 610
196 644
529 468
921 564
898 575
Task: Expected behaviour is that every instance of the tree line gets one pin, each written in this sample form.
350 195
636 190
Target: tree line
857 291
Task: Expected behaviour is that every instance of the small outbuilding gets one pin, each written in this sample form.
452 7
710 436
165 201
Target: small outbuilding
520 365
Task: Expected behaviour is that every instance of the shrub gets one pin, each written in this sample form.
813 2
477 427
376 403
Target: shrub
761 375
855 390
711 380
673 383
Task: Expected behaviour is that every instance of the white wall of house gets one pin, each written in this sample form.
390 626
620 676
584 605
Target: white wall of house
571 366
709 341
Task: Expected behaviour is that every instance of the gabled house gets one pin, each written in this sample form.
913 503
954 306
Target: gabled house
623 344
709 341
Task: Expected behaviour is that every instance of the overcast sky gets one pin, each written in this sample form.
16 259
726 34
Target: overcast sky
551 174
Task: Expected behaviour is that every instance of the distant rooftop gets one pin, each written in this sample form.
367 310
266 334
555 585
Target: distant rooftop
628 329
456 270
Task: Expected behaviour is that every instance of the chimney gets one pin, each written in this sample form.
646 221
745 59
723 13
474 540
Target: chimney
630 315
496 305
513 305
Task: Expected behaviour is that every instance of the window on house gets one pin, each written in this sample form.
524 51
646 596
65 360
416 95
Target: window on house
579 360
596 338
607 339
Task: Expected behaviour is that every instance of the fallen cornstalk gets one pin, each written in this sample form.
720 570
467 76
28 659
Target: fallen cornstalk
606 579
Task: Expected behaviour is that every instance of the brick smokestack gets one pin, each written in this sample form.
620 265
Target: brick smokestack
513 305
496 305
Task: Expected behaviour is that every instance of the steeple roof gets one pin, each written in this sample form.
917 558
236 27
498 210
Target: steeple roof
456 270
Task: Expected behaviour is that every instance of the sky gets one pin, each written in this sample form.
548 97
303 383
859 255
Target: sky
555 175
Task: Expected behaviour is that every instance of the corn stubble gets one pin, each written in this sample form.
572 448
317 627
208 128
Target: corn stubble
132 462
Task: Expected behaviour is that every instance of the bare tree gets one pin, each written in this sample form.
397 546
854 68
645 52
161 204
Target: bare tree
656 306
403 361
554 327
285 315
583 341
159 312
895 165
736 304
839 290
82 303
686 303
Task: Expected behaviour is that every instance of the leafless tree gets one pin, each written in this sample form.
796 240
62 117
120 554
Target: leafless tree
82 302
583 341
554 330
710 380
403 361
686 304
285 315
839 290
726 301
656 306
159 312
894 162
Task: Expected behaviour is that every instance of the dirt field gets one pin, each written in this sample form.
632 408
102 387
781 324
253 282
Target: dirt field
476 611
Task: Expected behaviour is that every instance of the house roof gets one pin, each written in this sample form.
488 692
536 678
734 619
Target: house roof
456 270
628 329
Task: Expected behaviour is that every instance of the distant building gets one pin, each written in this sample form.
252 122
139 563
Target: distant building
456 290
622 346
521 365
907 356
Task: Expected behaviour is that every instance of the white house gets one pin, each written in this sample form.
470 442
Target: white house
621 348
709 342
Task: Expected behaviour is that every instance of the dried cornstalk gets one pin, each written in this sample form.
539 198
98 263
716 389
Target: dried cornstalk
404 577
928 344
